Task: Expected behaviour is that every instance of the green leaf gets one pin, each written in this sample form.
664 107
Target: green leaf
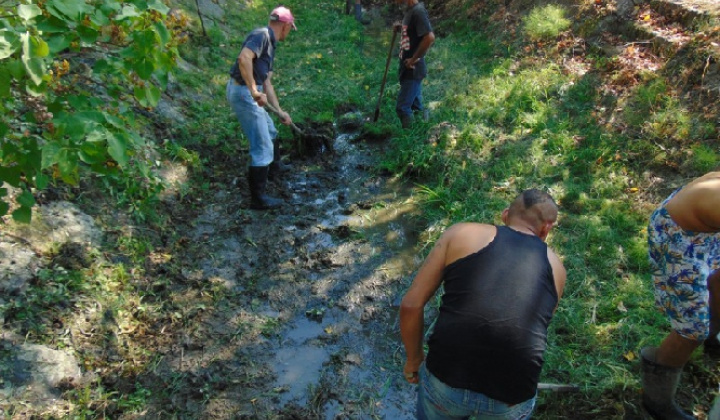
16 68
41 180
4 128
26 199
94 116
144 68
4 207
52 25
36 69
117 148
9 44
28 11
39 48
110 6
162 32
127 11
141 4
22 215
158 6
152 94
11 175
36 90
34 66
4 83
72 9
100 17
50 154
87 34
68 165
115 121
59 42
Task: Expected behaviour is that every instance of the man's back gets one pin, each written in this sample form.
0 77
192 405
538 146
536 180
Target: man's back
493 322
697 206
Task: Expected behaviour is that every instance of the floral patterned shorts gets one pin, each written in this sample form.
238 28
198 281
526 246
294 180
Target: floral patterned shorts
681 262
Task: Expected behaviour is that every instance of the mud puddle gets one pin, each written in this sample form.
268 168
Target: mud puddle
307 323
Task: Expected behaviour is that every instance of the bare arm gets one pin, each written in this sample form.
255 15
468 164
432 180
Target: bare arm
422 49
559 273
412 308
245 62
273 100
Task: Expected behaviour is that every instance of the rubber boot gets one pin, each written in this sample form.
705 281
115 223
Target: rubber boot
711 346
359 16
659 386
277 167
406 121
257 177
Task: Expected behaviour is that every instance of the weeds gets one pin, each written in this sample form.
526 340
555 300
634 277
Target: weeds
546 22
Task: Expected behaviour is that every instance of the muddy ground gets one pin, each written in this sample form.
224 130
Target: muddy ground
307 323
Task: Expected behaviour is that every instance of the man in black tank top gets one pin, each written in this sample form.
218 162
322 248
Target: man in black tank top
502 285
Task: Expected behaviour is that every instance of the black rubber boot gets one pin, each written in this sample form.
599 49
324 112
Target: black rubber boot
257 177
406 121
277 166
659 386
711 346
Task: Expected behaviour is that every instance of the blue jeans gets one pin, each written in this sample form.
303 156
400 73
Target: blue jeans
255 122
410 97
437 401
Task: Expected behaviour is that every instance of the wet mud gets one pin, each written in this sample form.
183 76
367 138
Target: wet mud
306 323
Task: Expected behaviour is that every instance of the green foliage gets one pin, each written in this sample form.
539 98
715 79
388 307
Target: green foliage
546 22
61 118
704 158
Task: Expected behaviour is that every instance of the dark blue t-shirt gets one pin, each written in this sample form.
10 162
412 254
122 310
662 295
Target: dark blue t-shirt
262 42
415 26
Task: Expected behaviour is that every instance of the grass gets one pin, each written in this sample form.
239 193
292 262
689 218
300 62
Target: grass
513 117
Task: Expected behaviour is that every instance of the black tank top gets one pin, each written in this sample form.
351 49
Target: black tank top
491 333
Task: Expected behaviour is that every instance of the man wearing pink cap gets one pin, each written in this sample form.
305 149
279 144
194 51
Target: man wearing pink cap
249 90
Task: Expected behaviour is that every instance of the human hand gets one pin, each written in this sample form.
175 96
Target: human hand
285 118
410 62
260 98
397 26
410 371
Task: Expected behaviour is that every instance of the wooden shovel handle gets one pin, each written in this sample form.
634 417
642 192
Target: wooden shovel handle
276 112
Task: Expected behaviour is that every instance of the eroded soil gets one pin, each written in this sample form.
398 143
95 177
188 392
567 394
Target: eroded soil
307 323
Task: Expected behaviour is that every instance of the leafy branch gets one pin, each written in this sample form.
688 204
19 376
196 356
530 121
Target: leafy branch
70 130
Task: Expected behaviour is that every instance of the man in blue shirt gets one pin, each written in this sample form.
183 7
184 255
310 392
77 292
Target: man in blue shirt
249 90
416 39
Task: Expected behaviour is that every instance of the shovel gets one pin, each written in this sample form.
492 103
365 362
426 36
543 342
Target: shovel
276 112
387 65
544 386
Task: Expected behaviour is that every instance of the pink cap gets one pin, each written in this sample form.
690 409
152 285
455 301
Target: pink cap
283 14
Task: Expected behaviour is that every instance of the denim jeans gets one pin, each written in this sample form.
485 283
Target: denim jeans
438 401
255 122
410 97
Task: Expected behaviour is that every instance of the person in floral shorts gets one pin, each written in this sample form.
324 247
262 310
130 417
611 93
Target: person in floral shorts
684 251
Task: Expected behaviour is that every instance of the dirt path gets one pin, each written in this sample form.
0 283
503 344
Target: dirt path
306 322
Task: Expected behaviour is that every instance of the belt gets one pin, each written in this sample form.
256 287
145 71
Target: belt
242 84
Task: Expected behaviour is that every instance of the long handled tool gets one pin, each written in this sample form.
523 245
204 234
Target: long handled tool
544 386
387 66
276 112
